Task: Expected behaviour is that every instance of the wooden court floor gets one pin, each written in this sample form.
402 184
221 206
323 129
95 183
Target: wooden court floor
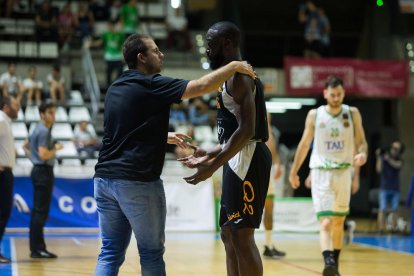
203 254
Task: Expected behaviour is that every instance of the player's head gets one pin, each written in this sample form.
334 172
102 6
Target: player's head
334 91
223 42
10 106
141 52
11 68
47 112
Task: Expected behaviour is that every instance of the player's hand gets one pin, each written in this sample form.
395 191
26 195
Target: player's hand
192 161
203 172
179 139
58 146
308 182
294 181
360 159
245 68
278 172
199 152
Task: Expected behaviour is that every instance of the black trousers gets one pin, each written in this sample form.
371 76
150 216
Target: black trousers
42 179
6 198
112 66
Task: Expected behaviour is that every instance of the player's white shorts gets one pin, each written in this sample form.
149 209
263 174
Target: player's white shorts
331 191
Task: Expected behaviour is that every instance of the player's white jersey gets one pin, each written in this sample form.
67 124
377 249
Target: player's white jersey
333 144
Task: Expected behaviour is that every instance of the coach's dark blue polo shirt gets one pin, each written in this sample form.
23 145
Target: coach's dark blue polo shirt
137 109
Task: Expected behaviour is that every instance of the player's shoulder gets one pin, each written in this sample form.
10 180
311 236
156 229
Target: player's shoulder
240 82
312 112
354 109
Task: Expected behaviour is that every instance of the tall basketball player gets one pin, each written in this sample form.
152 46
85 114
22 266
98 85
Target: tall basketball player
246 160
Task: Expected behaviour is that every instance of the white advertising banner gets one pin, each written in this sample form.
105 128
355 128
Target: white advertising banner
294 215
189 207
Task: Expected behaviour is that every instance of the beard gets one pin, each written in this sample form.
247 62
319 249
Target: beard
217 61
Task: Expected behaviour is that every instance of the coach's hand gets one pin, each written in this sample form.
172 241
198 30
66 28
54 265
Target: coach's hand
179 139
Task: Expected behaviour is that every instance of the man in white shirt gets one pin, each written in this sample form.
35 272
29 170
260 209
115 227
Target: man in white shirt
85 140
10 83
33 86
9 107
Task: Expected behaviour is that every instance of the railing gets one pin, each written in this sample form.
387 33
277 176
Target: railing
90 81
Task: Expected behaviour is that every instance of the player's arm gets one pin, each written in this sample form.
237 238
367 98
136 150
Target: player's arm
272 145
46 154
360 142
213 80
303 148
240 87
355 180
242 91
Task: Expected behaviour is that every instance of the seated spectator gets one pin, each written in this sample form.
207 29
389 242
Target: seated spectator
130 17
85 141
33 86
84 21
199 113
178 35
178 115
45 23
66 25
56 85
10 83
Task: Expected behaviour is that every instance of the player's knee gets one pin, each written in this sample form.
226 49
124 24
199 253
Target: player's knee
338 221
225 236
326 224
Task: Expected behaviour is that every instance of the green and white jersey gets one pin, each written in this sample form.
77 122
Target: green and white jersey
130 15
113 42
333 143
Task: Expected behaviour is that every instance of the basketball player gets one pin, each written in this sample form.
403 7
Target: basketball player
242 128
337 130
275 174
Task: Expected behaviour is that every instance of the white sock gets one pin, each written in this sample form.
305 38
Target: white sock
268 238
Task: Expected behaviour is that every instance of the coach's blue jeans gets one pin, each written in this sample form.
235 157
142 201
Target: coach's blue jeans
125 206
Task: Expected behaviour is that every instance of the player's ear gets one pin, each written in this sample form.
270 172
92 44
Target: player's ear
227 44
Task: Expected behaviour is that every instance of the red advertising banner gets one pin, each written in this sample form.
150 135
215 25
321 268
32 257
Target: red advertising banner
361 77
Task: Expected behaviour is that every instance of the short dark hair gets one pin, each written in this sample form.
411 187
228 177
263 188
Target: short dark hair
227 30
56 67
45 106
333 81
402 146
134 45
5 100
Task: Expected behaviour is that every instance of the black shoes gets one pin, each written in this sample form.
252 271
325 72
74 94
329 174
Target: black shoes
42 254
4 260
330 270
273 253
